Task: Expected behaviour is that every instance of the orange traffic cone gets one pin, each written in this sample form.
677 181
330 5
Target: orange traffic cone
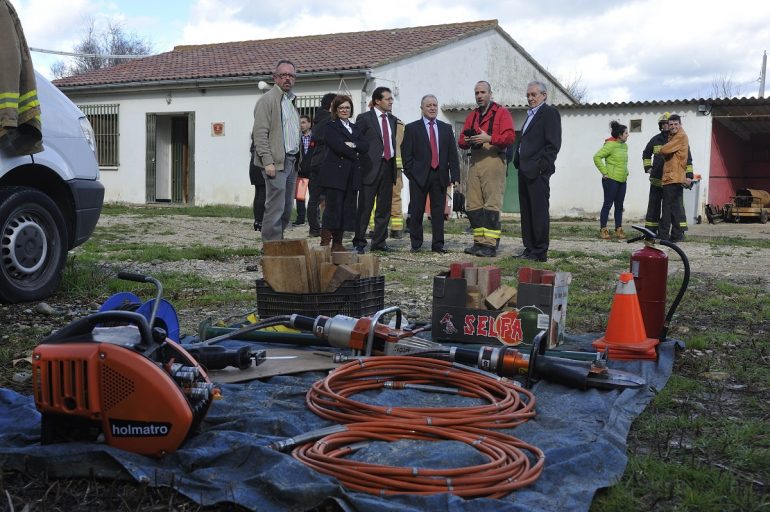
626 337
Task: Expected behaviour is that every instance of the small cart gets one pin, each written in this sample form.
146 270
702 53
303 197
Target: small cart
748 204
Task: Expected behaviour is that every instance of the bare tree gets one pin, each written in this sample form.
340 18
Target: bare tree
97 46
723 86
576 87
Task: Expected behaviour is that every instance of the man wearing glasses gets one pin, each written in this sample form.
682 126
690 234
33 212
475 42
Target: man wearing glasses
276 136
535 159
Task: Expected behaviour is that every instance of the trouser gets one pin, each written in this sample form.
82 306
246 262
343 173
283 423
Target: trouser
417 200
259 204
614 194
313 203
652 219
300 211
534 202
484 196
673 222
381 190
396 212
279 198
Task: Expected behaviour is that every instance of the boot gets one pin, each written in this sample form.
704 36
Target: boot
326 237
337 241
604 234
619 234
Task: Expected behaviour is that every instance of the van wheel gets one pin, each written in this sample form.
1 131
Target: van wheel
33 244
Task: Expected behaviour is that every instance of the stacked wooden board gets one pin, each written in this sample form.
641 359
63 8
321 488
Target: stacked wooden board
292 266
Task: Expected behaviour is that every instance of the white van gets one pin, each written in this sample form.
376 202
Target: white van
50 202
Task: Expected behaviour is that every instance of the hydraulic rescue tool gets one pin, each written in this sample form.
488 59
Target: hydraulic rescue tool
114 374
367 337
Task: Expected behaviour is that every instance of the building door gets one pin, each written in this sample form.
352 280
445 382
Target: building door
170 162
511 197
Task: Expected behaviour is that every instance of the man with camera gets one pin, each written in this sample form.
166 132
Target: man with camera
487 132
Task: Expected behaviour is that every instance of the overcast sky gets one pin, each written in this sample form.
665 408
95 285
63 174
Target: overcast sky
631 50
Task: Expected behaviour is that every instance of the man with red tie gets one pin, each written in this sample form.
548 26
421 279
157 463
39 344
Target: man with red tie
429 154
378 127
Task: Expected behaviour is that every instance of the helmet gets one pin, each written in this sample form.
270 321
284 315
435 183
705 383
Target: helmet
664 117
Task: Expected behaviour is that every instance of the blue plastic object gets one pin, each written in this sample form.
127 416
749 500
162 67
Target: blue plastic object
165 318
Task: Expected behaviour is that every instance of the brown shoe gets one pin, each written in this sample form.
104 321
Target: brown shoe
326 237
604 234
619 234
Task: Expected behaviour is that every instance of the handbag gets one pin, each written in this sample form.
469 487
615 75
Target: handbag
300 189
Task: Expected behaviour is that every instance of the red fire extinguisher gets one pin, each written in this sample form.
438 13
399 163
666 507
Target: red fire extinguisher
650 268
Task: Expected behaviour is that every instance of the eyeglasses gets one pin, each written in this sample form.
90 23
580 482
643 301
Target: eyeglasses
284 76
533 94
343 108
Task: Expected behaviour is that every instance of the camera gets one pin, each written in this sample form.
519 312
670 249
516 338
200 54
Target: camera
470 132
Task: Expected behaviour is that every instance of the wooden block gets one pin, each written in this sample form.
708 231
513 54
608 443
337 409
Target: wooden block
370 264
320 255
294 248
358 267
341 274
286 274
500 297
473 299
456 269
471 275
344 258
326 271
285 247
488 279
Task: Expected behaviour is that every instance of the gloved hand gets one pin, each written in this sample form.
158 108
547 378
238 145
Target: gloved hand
647 168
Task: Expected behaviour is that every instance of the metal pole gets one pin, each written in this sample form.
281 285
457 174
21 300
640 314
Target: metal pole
763 75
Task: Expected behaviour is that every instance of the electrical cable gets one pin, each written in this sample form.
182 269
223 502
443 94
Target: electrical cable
508 465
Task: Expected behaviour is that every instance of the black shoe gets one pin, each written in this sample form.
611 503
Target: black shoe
397 234
297 223
440 250
522 254
359 249
415 249
472 249
370 234
257 226
314 232
382 248
532 257
486 252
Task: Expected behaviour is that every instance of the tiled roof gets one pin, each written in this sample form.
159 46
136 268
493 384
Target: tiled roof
319 53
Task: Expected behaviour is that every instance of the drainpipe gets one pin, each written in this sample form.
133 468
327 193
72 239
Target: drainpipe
364 94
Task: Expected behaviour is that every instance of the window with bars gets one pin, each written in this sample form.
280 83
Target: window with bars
306 105
104 120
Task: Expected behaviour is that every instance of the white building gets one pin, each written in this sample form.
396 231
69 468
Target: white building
175 127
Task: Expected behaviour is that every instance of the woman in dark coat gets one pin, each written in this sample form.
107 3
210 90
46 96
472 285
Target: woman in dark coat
340 173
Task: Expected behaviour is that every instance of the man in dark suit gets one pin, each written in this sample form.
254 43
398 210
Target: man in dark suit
378 127
429 153
535 158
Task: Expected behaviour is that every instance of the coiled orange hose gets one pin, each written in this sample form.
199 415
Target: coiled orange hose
330 397
508 466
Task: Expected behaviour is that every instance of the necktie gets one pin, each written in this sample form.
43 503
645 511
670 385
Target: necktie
385 138
433 147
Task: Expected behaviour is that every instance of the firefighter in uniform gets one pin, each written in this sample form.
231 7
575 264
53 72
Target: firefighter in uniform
487 132
652 161
676 154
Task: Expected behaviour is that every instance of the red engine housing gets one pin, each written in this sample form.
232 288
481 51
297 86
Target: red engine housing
650 268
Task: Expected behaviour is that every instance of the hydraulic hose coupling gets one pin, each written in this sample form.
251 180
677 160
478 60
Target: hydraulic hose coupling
289 443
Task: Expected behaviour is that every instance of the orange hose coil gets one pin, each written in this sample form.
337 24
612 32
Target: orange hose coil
508 466
330 397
